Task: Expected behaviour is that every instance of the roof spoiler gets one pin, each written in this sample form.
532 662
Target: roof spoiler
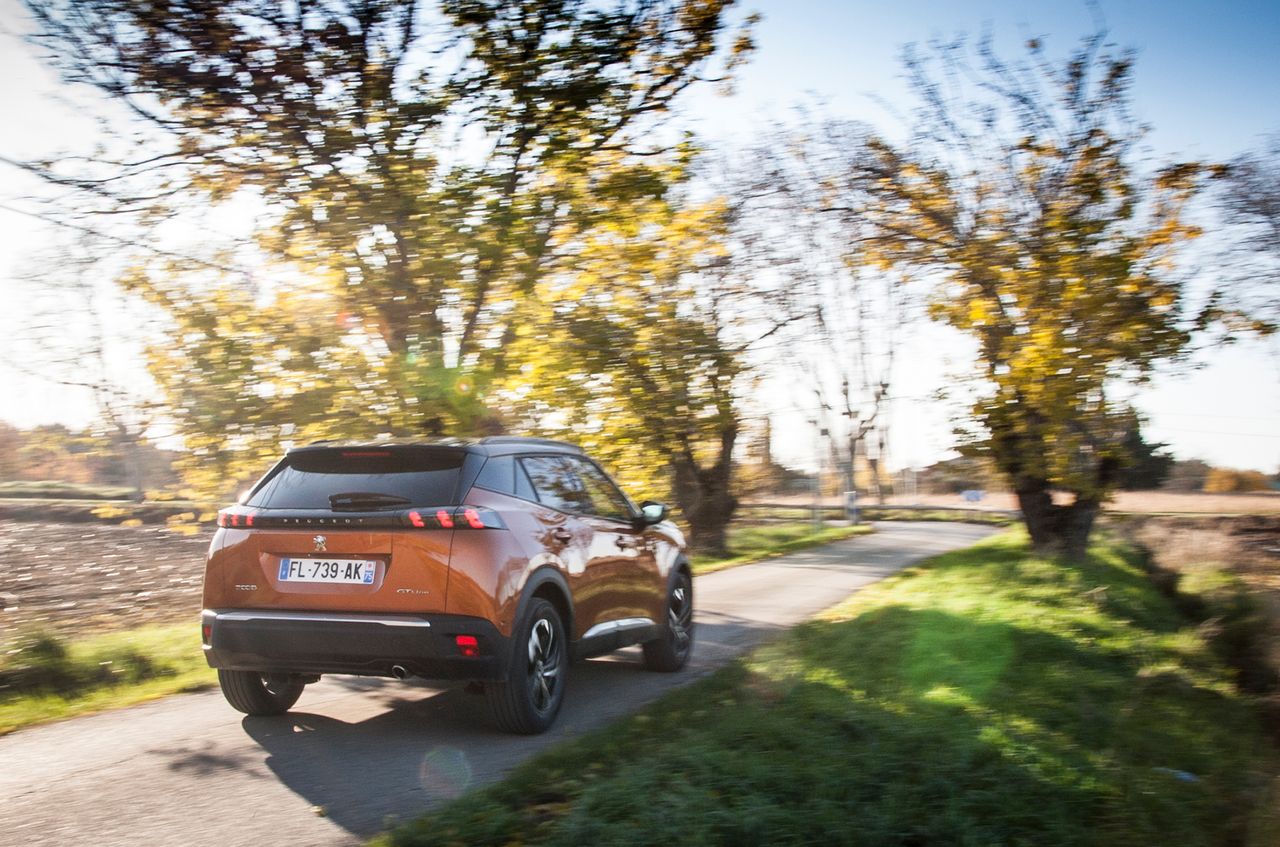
533 442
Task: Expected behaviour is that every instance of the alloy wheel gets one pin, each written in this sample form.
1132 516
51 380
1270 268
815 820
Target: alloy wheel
545 655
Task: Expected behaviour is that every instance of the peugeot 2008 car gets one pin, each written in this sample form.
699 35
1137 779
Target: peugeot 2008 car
497 560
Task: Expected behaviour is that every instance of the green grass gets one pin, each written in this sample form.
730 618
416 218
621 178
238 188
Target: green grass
987 697
749 544
51 489
887 513
52 679
979 516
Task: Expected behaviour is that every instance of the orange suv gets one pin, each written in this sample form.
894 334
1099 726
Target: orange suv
497 560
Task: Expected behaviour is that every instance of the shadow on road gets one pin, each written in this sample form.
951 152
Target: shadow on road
429 745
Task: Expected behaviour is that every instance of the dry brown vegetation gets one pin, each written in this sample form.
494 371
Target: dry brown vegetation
72 578
1228 569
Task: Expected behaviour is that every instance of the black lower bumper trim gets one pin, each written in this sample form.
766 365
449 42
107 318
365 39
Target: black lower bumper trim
310 643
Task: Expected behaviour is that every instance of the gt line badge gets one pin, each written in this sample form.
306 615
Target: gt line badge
320 541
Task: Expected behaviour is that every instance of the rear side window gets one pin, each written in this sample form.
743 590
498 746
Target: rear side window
363 480
524 488
505 475
498 474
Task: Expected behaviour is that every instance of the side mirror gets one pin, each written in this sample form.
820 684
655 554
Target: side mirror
652 513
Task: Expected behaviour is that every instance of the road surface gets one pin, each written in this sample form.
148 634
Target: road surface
357 755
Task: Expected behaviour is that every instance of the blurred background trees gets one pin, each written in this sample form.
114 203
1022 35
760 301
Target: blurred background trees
1250 198
1019 190
474 216
800 225
425 169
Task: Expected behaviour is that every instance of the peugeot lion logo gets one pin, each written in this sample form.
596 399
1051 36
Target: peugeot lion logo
320 542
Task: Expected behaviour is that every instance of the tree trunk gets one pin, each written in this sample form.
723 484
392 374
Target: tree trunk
1056 530
704 496
709 534
877 490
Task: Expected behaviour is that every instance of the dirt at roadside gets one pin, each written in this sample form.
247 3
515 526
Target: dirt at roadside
76 578
1246 546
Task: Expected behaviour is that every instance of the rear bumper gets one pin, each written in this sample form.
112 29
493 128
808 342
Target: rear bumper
320 642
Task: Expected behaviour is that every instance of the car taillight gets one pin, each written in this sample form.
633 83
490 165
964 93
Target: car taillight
235 518
459 517
206 633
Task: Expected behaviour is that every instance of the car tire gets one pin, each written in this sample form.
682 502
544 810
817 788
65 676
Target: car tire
670 651
529 699
260 694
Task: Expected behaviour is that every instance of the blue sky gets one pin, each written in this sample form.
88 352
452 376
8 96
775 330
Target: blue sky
1206 81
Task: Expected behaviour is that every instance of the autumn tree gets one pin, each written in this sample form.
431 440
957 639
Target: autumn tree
631 347
412 158
1022 193
1250 198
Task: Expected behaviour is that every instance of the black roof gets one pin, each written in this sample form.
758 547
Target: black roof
493 445
502 444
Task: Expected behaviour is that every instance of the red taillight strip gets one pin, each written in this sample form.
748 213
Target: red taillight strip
450 517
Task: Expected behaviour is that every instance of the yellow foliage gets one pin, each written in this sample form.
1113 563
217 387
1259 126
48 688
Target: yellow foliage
1228 480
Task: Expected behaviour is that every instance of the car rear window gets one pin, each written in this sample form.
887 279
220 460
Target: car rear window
363 479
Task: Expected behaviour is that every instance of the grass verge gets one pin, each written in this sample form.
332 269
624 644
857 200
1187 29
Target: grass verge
64 490
979 516
54 679
987 697
749 544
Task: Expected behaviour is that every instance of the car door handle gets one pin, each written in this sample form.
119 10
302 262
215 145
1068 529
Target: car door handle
625 543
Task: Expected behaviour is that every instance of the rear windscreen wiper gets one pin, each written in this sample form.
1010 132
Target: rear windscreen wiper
366 500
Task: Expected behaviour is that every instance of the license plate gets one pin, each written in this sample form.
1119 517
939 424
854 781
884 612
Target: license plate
341 571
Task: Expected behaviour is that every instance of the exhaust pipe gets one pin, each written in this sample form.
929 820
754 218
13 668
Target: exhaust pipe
399 672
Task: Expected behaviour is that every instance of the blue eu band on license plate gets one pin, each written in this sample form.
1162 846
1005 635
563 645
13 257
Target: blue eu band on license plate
336 571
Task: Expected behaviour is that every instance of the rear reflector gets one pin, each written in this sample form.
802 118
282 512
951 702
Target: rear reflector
468 645
206 633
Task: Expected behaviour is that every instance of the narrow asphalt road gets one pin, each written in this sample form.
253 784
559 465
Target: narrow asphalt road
358 754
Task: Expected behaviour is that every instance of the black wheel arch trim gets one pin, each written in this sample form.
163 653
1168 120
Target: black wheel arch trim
681 564
546 574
